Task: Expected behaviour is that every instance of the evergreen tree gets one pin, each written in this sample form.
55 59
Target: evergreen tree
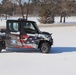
47 11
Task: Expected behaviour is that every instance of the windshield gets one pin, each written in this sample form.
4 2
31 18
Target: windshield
37 27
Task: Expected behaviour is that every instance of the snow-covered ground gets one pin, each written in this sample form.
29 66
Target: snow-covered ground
69 20
60 61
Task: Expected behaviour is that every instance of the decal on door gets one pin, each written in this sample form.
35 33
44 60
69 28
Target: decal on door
24 42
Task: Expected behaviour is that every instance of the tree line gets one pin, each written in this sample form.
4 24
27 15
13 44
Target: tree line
45 9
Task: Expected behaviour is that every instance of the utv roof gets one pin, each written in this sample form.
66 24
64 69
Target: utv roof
19 20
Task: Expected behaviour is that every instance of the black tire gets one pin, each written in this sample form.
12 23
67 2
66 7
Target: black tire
45 47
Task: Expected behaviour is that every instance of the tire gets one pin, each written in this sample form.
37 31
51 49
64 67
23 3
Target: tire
45 47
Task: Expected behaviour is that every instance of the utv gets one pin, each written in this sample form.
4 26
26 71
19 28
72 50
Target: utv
25 34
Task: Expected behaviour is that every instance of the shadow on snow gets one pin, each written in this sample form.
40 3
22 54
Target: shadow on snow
62 49
20 50
53 50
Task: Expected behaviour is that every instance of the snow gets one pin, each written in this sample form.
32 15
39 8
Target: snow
2 24
37 64
71 19
60 61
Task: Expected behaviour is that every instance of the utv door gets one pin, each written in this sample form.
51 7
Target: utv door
29 35
12 34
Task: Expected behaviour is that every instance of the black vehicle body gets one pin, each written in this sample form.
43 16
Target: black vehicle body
25 34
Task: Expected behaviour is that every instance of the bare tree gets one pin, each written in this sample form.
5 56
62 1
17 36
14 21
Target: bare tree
21 5
7 7
66 8
27 9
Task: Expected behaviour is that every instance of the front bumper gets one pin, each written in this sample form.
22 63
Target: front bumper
51 41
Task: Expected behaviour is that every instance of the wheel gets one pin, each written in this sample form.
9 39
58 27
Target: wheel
45 47
0 50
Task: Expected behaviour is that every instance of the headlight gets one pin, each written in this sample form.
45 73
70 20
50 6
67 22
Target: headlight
46 36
